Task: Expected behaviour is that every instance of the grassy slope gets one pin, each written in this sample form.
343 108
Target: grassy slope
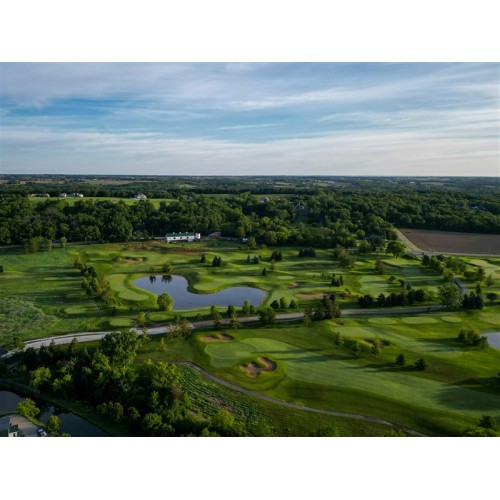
460 385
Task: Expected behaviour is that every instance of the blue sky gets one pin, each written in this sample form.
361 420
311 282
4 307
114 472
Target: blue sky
249 119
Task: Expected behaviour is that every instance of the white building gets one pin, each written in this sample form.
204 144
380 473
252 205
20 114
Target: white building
7 429
140 196
189 237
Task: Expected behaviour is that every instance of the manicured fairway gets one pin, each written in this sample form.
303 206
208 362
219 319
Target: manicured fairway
297 363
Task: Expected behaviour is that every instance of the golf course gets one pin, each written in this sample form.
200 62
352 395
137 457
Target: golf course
346 364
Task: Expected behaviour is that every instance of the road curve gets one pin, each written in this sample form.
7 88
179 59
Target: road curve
92 336
158 330
279 402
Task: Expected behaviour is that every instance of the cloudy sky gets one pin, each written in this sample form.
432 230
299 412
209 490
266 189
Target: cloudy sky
245 119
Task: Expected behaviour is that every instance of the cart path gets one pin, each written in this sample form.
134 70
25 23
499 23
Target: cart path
294 406
159 330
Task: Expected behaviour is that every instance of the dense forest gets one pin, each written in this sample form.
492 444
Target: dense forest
315 216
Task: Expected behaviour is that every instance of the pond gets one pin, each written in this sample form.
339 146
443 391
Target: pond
177 288
70 423
493 339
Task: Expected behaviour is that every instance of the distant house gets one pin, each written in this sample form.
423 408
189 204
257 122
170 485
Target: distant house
214 235
76 195
264 199
140 196
300 206
182 237
63 195
7 429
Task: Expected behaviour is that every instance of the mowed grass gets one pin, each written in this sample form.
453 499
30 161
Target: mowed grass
452 386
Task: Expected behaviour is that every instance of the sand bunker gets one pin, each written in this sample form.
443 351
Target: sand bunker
221 337
310 295
130 260
293 285
253 368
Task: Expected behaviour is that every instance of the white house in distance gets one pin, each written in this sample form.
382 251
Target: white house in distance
7 429
189 237
140 196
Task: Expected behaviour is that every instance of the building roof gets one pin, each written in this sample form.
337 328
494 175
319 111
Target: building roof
180 234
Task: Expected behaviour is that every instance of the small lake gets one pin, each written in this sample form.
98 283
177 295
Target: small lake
177 288
70 423
493 339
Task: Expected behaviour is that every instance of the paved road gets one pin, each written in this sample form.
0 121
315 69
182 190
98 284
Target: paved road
414 250
158 330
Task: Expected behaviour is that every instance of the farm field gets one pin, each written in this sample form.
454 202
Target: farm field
453 242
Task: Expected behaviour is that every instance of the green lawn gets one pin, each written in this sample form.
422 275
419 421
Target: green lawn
44 297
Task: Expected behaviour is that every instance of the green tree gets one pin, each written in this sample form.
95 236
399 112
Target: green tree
395 248
74 348
356 348
62 241
27 408
166 268
141 318
401 360
492 296
267 316
120 347
165 302
421 365
307 318
486 422
161 347
246 308
449 295
53 425
251 242
40 377
338 340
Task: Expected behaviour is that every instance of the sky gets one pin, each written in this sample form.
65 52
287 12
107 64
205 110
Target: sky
250 118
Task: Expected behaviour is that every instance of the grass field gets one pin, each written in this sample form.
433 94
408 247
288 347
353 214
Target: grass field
49 281
129 201
460 385
448 241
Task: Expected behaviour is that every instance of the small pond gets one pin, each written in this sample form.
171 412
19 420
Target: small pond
493 339
70 423
177 288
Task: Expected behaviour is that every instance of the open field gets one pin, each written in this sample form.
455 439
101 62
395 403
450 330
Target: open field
289 362
447 241
49 281
129 201
460 385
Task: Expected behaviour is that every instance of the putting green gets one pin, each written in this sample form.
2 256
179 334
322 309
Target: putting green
451 319
307 366
81 309
373 284
228 353
383 321
419 320
492 319
120 322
